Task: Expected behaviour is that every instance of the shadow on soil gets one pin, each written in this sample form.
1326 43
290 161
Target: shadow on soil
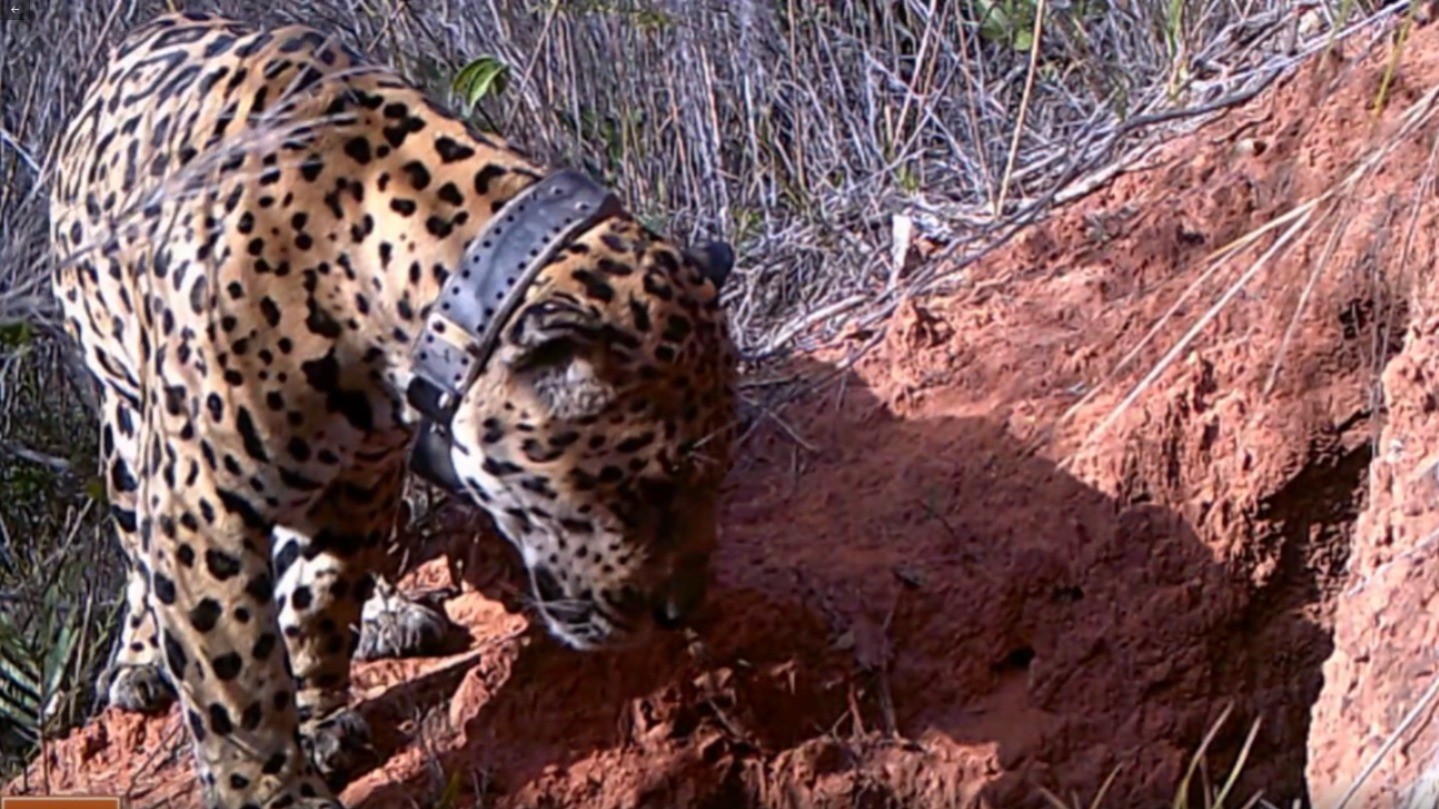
924 578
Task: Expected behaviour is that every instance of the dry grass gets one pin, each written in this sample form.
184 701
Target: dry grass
802 132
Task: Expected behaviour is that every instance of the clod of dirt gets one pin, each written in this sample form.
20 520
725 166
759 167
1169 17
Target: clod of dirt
940 587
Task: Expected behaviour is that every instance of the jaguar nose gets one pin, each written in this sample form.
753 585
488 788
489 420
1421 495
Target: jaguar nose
670 616
679 601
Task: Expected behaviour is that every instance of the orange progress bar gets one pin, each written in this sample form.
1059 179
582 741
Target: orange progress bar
61 802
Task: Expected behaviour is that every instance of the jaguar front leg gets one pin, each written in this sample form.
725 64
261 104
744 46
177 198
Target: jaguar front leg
212 592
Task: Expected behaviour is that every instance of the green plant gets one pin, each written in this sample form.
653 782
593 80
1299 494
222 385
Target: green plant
38 658
57 585
482 78
1007 22
55 628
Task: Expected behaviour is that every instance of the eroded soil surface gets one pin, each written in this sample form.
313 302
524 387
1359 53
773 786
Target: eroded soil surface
942 586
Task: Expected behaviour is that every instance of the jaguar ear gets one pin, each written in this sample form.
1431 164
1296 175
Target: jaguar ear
715 259
553 347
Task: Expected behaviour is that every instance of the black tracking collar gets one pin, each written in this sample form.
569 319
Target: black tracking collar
463 325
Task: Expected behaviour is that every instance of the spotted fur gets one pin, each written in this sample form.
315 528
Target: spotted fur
251 226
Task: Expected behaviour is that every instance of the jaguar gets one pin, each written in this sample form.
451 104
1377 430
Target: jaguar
296 278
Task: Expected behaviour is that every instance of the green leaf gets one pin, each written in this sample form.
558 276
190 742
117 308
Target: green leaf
484 77
1008 21
57 663
20 699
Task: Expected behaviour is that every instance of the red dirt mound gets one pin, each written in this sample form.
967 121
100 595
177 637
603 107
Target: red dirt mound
936 591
